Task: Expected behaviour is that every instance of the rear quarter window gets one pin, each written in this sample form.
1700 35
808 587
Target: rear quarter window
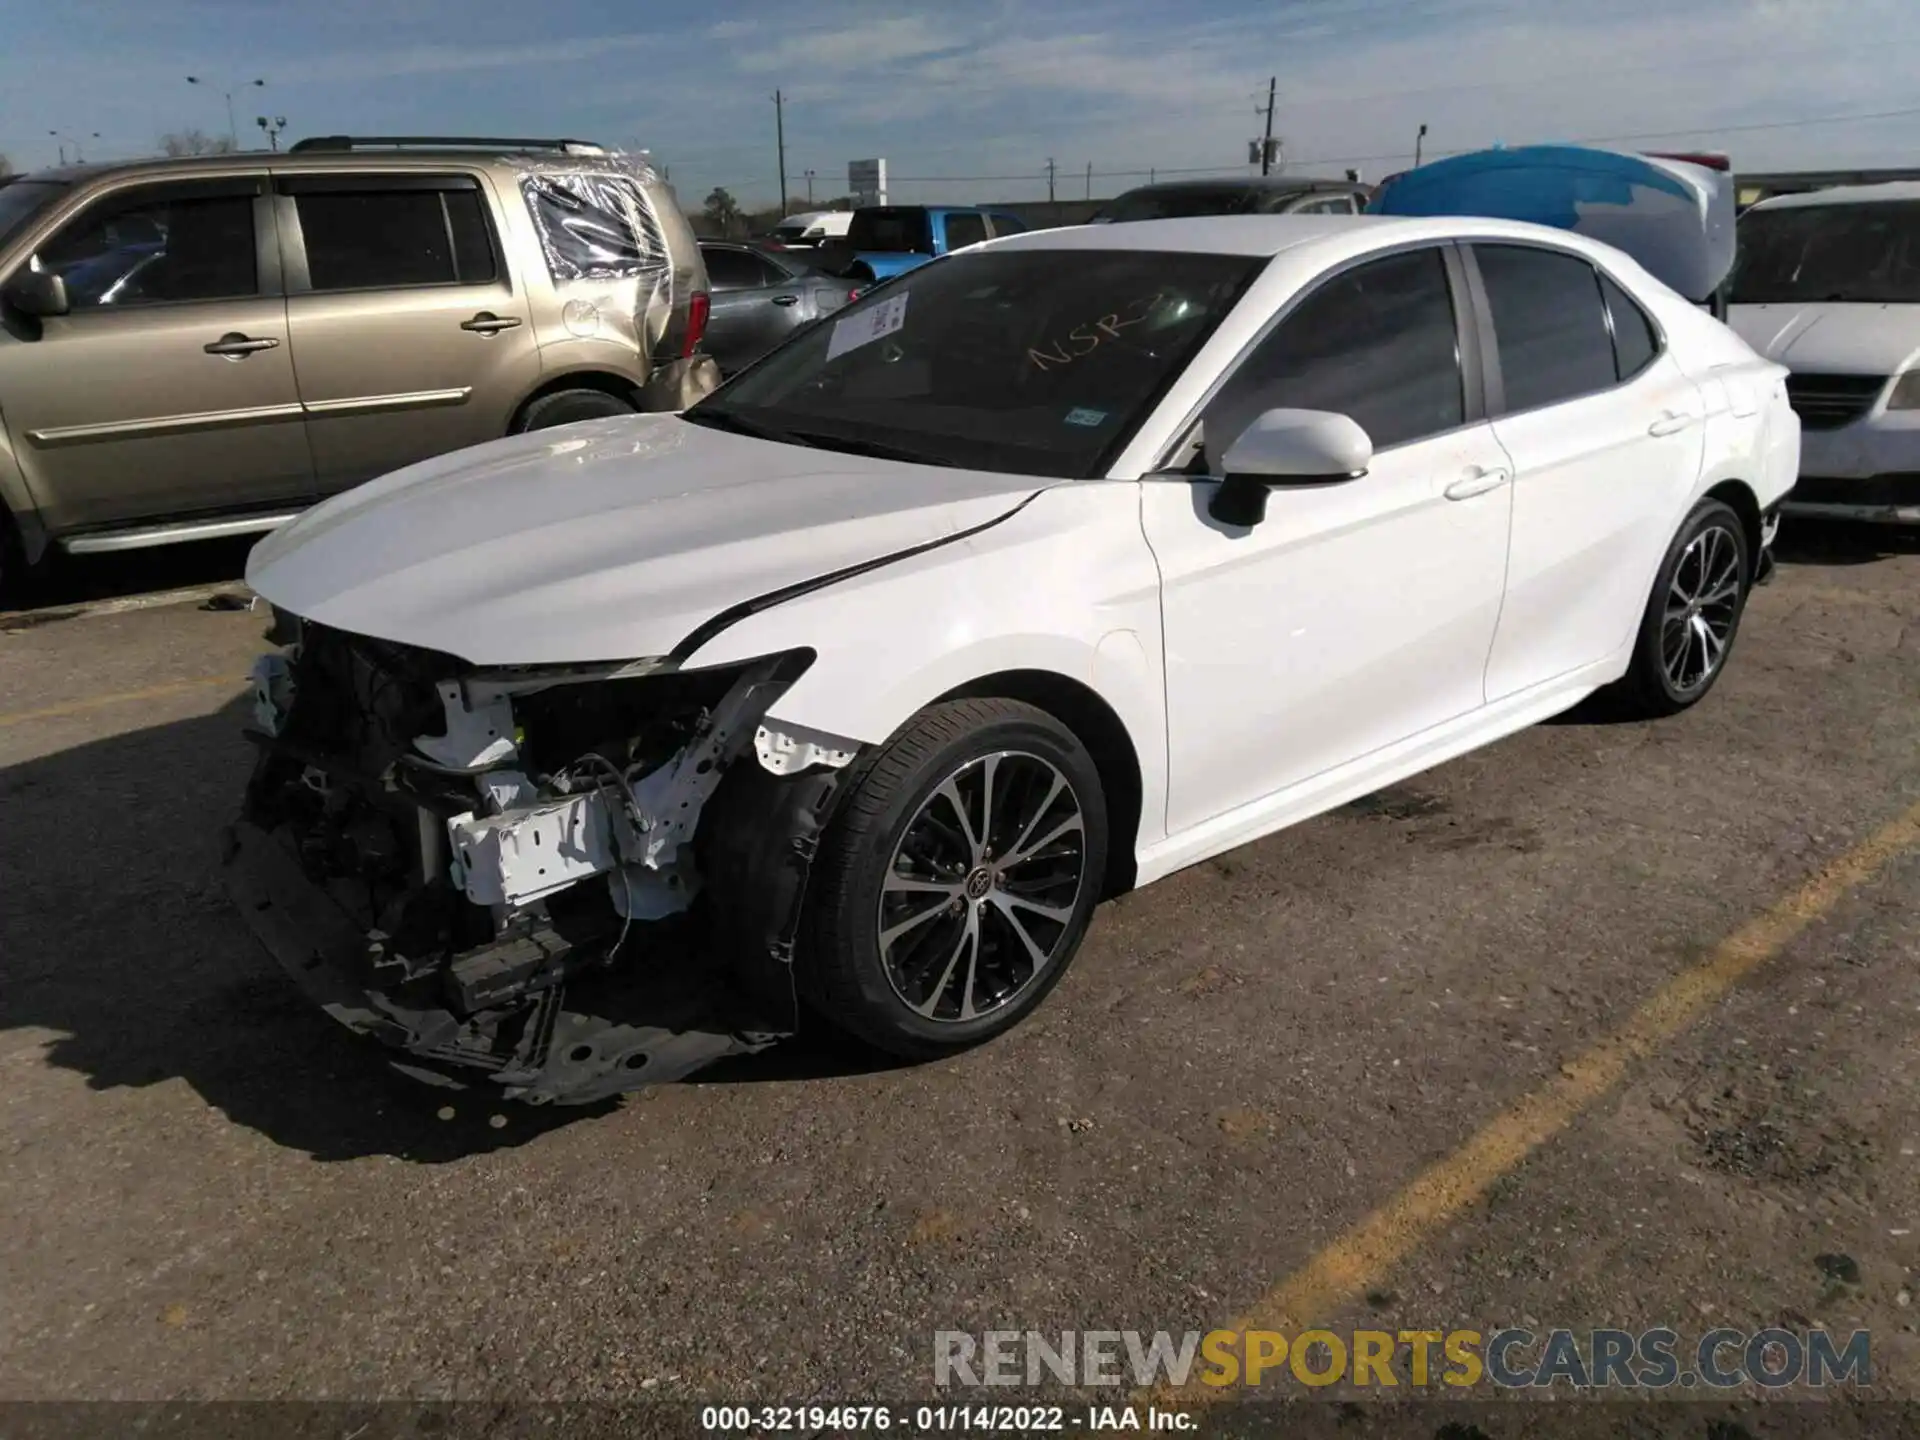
594 226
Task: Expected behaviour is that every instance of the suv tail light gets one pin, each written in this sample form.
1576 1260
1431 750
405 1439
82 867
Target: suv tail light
699 304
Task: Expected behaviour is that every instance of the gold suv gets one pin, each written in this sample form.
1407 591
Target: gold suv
205 346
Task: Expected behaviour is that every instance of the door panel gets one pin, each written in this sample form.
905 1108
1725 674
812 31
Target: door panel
1357 614
118 410
1354 616
409 338
1599 477
755 305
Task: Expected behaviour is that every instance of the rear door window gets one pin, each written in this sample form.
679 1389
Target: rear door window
369 233
895 229
734 270
965 229
1549 323
1635 342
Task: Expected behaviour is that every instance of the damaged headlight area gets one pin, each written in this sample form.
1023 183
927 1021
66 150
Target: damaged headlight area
564 882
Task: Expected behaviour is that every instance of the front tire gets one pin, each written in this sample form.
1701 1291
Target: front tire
1693 616
955 884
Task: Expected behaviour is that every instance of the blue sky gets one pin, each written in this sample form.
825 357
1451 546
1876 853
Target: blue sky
976 95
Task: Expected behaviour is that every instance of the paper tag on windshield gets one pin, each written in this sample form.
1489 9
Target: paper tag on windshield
868 326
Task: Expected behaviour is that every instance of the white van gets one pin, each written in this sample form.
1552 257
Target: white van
1828 284
813 228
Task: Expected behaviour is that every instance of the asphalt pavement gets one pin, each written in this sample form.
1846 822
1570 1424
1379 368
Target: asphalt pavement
1609 1024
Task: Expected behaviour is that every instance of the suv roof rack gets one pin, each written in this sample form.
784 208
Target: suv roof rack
442 142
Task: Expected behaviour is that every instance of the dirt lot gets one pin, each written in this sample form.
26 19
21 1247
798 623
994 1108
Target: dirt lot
208 1191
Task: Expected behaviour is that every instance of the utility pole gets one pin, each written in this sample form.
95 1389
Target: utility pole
809 189
1089 179
1419 146
1266 143
780 136
1050 180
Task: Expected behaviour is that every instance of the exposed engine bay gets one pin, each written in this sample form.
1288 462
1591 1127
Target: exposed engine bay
563 883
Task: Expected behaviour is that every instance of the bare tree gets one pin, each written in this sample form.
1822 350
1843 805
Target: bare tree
195 142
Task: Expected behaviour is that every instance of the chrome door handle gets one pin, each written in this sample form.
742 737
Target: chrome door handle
1477 482
236 346
786 299
487 323
1671 423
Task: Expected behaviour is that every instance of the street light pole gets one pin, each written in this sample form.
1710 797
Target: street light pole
1419 146
233 130
79 154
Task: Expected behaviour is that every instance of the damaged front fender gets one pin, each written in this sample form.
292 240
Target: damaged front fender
495 871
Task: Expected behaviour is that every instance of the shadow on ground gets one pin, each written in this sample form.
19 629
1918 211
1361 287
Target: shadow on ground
117 937
1834 542
77 579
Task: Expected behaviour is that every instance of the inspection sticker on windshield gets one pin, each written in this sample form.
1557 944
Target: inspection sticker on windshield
1086 417
868 326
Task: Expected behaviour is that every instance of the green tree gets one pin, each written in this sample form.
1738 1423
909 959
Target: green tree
722 209
194 142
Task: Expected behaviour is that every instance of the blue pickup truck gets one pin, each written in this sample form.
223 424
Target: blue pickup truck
889 240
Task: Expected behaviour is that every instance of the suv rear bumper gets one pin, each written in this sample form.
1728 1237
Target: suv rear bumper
676 384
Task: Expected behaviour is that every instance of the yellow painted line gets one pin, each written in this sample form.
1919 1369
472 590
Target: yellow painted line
124 697
1358 1260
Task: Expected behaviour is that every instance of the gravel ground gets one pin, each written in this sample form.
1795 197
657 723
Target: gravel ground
210 1192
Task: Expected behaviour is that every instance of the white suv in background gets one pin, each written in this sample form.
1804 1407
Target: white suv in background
1828 284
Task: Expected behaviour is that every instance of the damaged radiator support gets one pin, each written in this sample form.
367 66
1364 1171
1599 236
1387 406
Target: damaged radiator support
508 960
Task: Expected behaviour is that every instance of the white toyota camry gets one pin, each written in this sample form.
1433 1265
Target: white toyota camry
593 755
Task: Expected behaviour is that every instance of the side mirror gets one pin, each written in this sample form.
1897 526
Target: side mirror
1287 447
36 293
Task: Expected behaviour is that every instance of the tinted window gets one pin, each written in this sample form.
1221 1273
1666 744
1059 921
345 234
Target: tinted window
379 239
965 230
1028 362
1376 343
1005 224
1549 324
133 253
1868 253
893 229
734 270
1635 342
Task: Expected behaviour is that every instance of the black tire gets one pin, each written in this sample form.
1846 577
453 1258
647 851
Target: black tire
847 978
18 580
1696 564
563 407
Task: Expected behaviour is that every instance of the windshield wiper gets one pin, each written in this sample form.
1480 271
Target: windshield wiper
737 424
873 449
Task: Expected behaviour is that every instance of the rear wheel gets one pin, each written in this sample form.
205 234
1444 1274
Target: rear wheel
954 887
1693 616
563 407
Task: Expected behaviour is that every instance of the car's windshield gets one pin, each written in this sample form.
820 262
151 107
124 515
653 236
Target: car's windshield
1869 253
1028 362
22 200
902 229
1185 203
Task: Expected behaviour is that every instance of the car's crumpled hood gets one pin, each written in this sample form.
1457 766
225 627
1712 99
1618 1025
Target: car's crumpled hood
1832 339
607 540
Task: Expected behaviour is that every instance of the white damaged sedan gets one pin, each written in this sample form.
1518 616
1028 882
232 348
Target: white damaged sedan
1047 569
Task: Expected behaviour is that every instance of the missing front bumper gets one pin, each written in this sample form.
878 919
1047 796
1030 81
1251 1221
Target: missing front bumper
656 1018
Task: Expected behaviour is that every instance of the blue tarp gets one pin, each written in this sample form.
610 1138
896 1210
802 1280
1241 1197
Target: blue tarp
1675 218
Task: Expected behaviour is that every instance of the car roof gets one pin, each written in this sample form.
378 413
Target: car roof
1271 234
407 158
1845 195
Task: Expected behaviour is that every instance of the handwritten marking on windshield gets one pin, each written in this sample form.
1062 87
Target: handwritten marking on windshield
1089 337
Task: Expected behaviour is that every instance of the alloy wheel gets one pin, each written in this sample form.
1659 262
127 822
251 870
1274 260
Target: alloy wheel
1703 605
982 888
